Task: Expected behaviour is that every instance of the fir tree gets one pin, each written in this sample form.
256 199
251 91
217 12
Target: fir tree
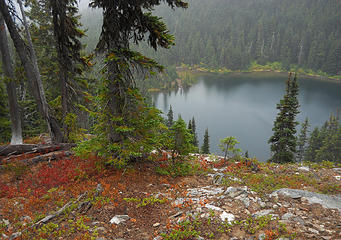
205 148
302 141
194 132
180 139
170 117
313 145
189 126
283 142
121 107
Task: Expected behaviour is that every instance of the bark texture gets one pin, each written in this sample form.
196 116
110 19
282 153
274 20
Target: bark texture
10 85
28 61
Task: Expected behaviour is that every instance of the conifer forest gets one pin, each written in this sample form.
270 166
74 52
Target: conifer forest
170 119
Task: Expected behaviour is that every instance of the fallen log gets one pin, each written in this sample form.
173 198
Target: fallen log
9 150
51 156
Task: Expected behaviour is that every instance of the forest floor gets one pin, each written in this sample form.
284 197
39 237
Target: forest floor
74 198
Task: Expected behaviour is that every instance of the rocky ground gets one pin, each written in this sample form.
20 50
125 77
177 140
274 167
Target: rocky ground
78 199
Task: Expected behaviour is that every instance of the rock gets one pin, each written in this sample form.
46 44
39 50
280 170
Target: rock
275 206
234 191
337 178
156 224
337 169
101 229
179 201
99 188
6 222
4 236
261 203
303 168
326 237
313 231
244 199
218 178
298 220
15 235
200 238
229 217
119 219
208 191
209 206
261 236
157 238
262 213
287 216
26 219
325 200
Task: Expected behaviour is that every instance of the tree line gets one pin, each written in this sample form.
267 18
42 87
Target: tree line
233 34
323 144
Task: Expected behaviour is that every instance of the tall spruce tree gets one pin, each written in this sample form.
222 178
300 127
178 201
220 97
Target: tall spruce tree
194 132
170 117
189 126
205 148
122 111
283 142
67 36
302 141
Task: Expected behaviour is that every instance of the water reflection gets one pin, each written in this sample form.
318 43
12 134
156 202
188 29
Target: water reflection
244 105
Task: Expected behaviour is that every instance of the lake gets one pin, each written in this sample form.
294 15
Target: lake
244 105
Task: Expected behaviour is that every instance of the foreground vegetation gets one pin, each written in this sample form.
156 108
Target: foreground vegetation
29 194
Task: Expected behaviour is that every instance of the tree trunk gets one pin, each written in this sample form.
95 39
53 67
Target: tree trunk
10 86
59 18
28 60
33 148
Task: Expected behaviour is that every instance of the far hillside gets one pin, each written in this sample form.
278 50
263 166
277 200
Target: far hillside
233 34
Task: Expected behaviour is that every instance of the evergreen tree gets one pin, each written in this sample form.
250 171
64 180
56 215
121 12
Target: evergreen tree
283 142
121 107
67 38
314 144
170 117
330 149
205 148
180 139
189 126
194 132
246 155
302 141
5 124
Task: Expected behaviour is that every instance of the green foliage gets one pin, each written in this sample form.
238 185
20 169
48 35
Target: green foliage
325 142
195 141
302 141
75 133
205 148
283 142
180 143
178 169
227 145
145 201
5 124
170 117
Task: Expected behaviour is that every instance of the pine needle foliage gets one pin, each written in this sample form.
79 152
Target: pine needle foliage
283 142
125 124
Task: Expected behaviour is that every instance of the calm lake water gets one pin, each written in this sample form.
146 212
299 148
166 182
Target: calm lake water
244 106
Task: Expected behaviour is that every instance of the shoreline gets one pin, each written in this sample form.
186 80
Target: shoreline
239 72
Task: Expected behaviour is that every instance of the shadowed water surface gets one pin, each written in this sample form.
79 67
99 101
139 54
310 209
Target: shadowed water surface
244 106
